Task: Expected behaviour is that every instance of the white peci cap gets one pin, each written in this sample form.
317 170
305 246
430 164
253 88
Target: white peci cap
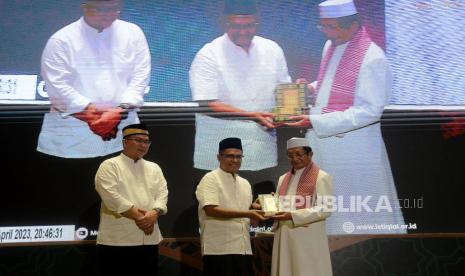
336 8
295 142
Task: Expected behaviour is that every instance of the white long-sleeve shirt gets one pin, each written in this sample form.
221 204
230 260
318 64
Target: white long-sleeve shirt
80 66
122 184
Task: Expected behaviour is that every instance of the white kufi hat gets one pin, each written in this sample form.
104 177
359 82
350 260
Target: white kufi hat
297 142
337 8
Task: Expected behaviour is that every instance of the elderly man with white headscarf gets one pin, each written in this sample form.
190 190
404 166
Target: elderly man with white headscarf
300 243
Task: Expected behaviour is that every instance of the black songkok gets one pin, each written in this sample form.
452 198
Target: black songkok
230 143
240 7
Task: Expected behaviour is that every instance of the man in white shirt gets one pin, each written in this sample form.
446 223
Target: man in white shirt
134 195
235 76
225 202
353 86
300 244
96 71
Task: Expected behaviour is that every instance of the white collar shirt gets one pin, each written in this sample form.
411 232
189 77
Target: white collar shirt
121 184
220 236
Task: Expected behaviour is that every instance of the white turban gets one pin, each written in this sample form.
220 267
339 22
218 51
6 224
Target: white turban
337 8
297 142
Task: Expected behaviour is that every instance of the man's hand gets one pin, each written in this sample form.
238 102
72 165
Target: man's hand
111 135
299 121
149 230
282 216
89 115
107 125
257 215
310 88
103 123
134 213
301 80
147 221
264 118
256 205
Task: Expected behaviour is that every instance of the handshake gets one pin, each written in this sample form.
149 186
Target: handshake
102 122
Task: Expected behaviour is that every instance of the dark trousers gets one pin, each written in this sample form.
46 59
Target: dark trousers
129 260
227 265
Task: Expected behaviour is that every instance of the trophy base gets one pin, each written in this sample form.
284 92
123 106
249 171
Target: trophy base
269 204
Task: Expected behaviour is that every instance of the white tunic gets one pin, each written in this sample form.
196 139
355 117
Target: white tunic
350 147
221 236
121 184
300 246
80 66
225 72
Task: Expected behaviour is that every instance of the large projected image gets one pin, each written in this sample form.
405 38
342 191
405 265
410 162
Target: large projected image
71 83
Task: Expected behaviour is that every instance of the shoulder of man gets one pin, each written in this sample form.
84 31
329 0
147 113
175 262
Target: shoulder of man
127 27
212 46
283 175
69 31
242 180
268 43
210 179
113 159
375 53
213 176
127 24
107 163
322 174
151 164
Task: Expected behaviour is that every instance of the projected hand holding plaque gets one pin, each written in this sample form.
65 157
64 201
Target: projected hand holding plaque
291 100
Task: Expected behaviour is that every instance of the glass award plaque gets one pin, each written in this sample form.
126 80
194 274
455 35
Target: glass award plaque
269 204
291 99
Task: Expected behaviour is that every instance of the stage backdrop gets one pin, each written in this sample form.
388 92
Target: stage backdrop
47 198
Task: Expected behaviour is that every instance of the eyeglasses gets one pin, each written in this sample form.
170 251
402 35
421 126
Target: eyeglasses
233 156
140 141
327 27
297 155
242 26
103 9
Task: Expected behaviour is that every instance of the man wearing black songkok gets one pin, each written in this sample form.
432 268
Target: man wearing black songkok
225 201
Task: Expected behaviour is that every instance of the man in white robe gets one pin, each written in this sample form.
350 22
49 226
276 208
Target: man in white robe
300 244
353 86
